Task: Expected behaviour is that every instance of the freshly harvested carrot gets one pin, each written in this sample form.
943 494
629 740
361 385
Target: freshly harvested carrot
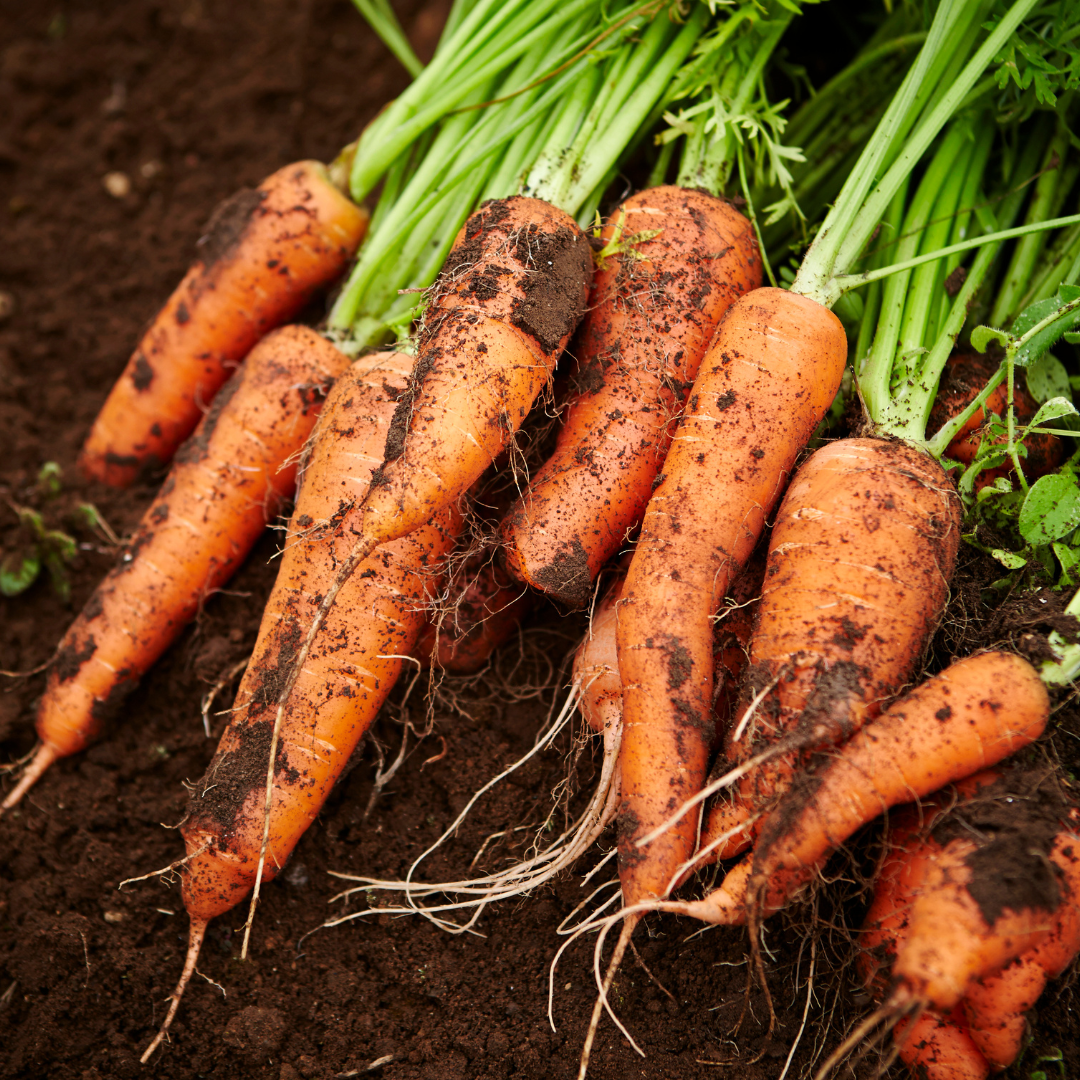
347 673
977 712
859 564
265 253
652 312
965 891
226 484
766 381
964 376
484 607
995 1005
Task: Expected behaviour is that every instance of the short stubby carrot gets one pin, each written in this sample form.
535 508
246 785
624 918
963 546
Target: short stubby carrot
226 484
265 253
767 379
681 257
970 891
858 573
512 291
310 724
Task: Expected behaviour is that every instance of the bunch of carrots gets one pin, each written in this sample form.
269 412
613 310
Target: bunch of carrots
750 705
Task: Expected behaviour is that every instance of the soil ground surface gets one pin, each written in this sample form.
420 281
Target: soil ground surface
190 99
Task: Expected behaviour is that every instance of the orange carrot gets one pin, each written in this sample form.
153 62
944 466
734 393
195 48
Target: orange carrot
964 376
977 712
265 253
483 609
940 1047
859 564
346 675
765 382
226 484
685 257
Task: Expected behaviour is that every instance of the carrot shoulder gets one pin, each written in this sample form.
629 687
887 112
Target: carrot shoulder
265 253
226 484
653 309
767 379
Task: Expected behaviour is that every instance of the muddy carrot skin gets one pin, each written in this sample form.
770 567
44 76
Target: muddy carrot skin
859 563
977 712
512 291
226 484
652 312
265 253
355 660
768 377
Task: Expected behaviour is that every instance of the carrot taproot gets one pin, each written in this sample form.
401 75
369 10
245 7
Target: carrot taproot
681 258
265 253
860 558
975 713
484 607
225 485
970 892
233 839
995 1005
766 380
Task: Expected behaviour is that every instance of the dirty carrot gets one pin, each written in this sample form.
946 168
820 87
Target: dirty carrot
678 260
265 252
234 839
226 484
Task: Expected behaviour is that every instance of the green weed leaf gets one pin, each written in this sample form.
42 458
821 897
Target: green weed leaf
1051 509
19 571
981 336
1052 410
1009 559
1047 378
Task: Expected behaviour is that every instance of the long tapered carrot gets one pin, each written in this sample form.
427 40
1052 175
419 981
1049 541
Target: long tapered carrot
653 309
265 253
348 672
860 559
765 382
974 714
226 484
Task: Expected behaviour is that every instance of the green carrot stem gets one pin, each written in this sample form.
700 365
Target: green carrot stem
383 21
858 208
1028 249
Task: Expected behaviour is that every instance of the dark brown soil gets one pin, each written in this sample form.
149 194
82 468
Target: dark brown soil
193 99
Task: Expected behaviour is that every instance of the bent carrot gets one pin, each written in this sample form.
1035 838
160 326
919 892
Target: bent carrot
767 379
652 312
226 484
974 714
265 253
940 1047
859 564
348 672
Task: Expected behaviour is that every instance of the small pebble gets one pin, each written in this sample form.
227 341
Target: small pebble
117 184
7 305
149 169
114 917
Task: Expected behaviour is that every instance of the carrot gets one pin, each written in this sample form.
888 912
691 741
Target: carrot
962 893
484 608
266 251
857 577
765 382
977 712
226 484
347 673
940 1047
964 376
680 258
